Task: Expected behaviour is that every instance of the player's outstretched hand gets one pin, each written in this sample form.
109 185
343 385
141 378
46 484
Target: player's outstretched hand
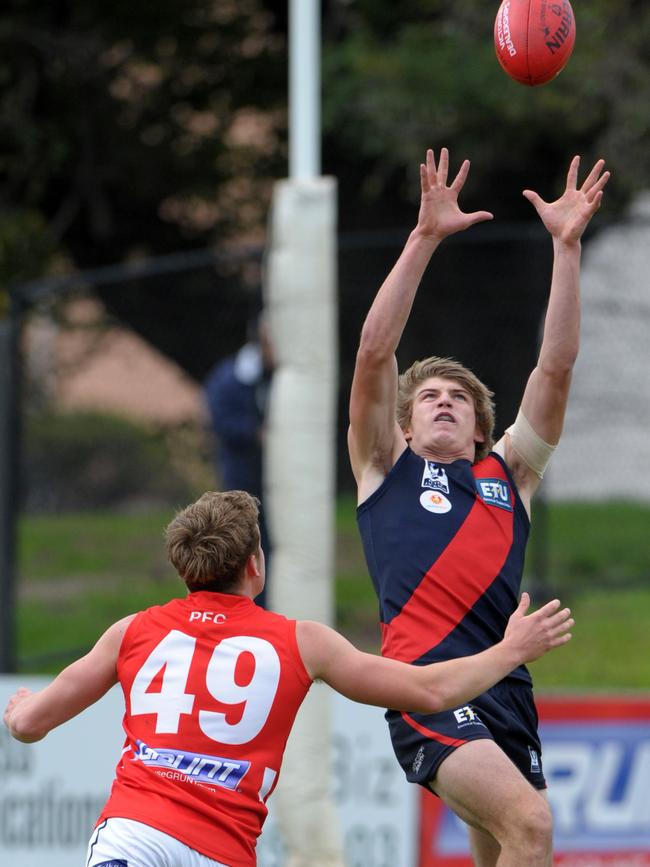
568 217
440 215
535 634
16 699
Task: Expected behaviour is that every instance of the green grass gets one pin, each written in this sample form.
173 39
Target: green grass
610 649
605 542
80 572
95 544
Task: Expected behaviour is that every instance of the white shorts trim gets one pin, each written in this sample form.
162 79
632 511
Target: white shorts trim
127 843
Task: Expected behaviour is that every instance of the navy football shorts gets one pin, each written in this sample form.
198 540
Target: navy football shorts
505 714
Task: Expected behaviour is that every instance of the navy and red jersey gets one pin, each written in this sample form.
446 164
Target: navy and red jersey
212 684
445 545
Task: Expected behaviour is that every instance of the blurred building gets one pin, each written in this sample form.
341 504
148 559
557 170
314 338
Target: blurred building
91 363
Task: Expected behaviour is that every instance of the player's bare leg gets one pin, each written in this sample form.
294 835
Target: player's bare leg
482 786
544 794
484 848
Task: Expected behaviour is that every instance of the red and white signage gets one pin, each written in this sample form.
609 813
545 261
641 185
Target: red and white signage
596 758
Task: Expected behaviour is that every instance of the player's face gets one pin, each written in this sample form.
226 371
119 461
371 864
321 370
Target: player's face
443 420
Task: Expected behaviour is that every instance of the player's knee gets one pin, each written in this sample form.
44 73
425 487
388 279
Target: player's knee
534 826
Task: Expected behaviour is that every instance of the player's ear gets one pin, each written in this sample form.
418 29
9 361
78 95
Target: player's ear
253 565
479 436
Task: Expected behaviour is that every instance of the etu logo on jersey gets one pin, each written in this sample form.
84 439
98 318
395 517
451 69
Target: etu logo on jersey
494 492
466 716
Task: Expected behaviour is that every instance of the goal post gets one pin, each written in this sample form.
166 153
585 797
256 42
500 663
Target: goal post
301 306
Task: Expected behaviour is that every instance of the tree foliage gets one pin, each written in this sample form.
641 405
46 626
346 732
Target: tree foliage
134 127
130 130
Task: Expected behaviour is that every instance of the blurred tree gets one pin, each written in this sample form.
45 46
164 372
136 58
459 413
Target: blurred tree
133 128
25 249
130 130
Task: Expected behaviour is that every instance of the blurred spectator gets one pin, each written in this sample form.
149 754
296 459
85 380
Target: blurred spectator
236 392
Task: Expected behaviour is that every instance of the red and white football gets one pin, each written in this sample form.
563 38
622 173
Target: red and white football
534 39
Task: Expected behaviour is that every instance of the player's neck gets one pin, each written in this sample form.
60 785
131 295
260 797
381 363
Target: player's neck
444 456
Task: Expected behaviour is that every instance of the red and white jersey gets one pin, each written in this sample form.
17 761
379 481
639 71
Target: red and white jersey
212 684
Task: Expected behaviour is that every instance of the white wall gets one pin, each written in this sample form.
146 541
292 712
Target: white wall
604 452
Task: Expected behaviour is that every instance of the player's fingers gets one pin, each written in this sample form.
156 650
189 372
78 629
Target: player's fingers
536 200
563 626
443 167
598 186
572 174
594 202
593 176
478 217
461 177
424 179
431 166
524 602
550 608
559 617
562 639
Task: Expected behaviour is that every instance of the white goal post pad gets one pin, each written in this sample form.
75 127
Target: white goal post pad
299 495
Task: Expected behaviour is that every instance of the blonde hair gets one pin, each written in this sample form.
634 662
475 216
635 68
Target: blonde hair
209 541
448 368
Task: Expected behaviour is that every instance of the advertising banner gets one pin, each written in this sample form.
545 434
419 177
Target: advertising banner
51 792
596 758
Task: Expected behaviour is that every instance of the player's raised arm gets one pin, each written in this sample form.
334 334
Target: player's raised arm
29 716
376 680
374 437
546 394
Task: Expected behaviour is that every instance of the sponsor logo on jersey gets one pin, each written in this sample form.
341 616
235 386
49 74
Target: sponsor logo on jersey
494 492
193 767
433 501
534 761
435 477
119 863
467 716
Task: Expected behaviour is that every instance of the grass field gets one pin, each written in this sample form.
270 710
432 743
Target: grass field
80 572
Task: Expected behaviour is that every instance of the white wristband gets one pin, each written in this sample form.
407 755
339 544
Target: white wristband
533 450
